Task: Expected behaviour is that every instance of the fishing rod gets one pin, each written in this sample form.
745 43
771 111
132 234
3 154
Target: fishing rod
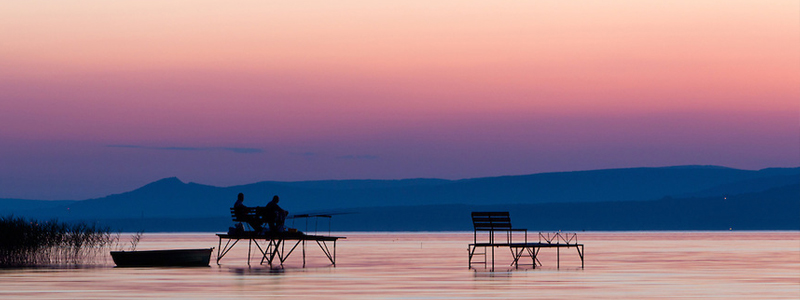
316 216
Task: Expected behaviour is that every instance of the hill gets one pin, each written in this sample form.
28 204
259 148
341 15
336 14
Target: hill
774 209
172 199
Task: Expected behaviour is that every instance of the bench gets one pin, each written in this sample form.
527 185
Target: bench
494 222
245 215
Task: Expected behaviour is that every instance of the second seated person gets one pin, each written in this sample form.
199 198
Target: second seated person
274 215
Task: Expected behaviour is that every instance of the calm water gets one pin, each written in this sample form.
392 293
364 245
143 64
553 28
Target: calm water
640 265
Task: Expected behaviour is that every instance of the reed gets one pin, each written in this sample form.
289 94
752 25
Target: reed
28 243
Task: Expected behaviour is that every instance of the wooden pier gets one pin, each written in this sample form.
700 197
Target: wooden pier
489 224
274 243
273 246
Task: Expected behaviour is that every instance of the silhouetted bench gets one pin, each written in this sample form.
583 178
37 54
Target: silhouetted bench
494 222
245 214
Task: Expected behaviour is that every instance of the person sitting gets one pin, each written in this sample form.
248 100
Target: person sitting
240 211
274 215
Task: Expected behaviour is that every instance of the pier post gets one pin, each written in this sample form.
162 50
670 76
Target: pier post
219 249
492 258
249 245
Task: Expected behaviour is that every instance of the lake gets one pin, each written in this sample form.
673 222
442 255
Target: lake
378 265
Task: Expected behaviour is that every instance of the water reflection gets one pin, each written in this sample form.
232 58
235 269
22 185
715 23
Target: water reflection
257 271
627 265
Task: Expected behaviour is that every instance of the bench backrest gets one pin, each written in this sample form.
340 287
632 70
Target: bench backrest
246 212
491 221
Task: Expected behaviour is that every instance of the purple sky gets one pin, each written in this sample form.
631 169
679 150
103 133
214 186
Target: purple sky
102 97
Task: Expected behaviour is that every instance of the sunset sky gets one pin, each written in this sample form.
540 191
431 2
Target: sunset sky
101 97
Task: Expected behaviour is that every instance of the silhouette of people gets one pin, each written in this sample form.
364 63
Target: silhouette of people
240 210
274 215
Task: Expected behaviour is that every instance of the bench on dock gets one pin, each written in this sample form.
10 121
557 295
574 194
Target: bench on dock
244 214
494 223
274 248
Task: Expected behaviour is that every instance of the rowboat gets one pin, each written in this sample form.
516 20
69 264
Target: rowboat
163 258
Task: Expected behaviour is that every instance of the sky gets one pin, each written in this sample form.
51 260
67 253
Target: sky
102 97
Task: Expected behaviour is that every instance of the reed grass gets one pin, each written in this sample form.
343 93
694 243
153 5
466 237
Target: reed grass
30 243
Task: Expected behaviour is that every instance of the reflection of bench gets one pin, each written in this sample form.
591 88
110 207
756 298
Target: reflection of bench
489 224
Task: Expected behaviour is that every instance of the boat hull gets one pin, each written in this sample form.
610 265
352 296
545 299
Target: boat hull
163 258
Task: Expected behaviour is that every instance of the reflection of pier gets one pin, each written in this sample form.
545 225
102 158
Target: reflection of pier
499 222
273 247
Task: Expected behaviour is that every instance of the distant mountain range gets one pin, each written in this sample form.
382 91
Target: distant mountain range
668 198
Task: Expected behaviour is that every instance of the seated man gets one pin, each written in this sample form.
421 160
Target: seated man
240 210
274 215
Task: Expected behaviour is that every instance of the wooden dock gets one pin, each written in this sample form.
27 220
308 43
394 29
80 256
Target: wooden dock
489 224
273 246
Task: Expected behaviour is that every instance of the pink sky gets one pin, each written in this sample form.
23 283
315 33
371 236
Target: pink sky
234 93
